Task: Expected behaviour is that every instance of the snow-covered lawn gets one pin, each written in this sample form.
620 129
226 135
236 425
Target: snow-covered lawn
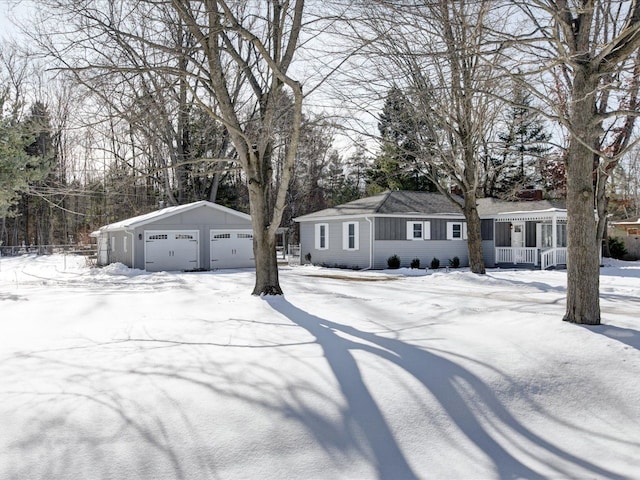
119 374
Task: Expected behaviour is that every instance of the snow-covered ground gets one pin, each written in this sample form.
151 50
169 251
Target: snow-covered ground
120 374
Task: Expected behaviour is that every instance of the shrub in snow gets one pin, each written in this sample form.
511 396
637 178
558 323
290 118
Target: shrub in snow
454 262
435 264
617 248
393 262
415 263
307 257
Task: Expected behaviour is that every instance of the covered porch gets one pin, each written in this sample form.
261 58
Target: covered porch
533 239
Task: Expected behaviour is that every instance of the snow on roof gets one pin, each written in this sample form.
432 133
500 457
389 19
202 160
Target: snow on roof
140 220
627 222
534 212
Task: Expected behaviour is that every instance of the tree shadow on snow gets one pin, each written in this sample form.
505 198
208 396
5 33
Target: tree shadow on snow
442 378
628 336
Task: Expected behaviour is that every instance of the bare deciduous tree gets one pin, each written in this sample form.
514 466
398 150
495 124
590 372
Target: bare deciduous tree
259 40
589 43
229 58
442 55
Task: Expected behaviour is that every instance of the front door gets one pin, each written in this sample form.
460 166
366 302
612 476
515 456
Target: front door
518 242
517 235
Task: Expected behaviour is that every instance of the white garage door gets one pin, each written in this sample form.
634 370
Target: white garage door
231 249
171 250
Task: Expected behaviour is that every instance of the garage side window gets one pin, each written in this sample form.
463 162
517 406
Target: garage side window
350 235
322 236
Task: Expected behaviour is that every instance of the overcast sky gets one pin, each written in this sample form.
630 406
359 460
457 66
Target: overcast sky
9 9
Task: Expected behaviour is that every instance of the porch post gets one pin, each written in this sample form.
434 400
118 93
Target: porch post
554 227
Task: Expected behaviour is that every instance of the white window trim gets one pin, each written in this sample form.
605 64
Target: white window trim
410 227
125 242
426 230
318 226
345 235
463 229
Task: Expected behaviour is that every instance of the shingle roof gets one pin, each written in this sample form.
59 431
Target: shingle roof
425 203
494 206
393 202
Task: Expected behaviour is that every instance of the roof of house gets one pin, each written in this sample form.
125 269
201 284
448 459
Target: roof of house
494 206
391 202
424 203
146 218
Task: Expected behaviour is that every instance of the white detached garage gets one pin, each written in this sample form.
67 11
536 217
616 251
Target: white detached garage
196 236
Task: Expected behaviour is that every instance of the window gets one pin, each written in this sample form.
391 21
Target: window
246 235
124 244
350 234
562 234
546 235
546 232
184 236
221 235
322 236
418 230
456 230
158 237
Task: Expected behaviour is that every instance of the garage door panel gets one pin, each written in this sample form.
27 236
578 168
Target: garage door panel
171 250
231 249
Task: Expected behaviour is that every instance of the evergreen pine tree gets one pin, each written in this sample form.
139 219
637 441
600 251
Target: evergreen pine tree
18 169
398 165
522 150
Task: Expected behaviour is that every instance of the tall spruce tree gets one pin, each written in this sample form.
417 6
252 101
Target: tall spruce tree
522 148
398 165
37 206
18 169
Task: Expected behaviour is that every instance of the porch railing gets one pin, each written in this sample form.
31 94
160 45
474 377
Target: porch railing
553 257
517 255
294 254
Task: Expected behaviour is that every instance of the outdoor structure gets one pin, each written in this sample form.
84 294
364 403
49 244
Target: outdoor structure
422 225
629 232
526 233
196 236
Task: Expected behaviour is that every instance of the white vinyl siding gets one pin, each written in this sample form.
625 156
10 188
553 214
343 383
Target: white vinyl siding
456 231
418 230
322 236
350 236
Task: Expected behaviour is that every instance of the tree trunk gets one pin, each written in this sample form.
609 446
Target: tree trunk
583 265
264 242
474 234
